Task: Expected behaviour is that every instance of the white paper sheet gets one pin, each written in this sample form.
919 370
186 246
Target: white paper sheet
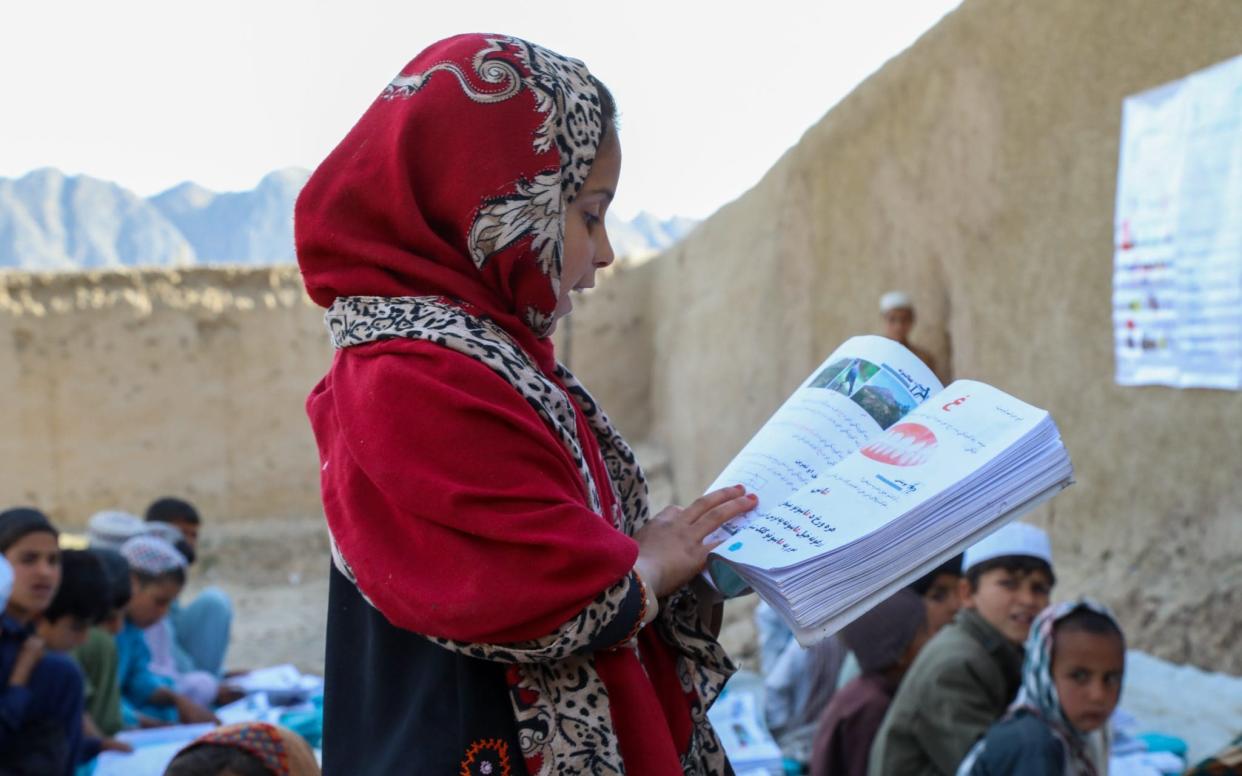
738 722
154 749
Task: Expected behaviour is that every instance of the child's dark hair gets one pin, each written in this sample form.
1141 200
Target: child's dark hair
1014 564
84 590
951 567
172 510
172 575
216 759
607 106
1087 620
117 569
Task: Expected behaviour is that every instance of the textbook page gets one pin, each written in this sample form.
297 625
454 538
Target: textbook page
952 471
867 385
931 450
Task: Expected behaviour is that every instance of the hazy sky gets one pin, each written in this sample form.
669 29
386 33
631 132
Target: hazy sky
149 94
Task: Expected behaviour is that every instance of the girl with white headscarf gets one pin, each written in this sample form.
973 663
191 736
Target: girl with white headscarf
1071 683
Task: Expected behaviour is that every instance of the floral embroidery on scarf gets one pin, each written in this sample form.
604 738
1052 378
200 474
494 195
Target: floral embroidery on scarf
572 125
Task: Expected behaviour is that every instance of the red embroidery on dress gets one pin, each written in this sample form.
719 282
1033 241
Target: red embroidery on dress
487 757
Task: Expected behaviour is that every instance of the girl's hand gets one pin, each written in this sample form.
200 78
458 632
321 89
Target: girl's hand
192 713
145 722
229 694
28 657
670 546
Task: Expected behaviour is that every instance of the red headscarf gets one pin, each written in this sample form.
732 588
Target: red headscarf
452 184
460 192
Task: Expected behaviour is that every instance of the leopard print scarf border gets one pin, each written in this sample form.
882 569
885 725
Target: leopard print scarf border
550 670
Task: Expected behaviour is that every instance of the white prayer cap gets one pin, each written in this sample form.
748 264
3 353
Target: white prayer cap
1012 539
112 528
152 555
896 300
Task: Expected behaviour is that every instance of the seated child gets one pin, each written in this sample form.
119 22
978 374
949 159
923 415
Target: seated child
157 573
40 692
968 674
82 602
246 749
885 641
939 591
1071 683
199 629
797 682
98 655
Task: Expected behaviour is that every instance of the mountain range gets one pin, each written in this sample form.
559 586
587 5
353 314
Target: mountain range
53 221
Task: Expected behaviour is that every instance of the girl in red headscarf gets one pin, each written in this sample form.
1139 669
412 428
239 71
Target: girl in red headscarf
501 600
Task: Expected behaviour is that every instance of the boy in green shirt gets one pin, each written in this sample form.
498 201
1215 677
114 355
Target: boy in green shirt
98 656
966 676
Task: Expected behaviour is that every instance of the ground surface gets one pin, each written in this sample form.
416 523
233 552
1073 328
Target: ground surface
277 575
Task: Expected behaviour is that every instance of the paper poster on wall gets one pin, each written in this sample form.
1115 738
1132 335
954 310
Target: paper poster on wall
1177 280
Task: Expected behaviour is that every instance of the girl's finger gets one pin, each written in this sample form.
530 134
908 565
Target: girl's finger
723 513
709 501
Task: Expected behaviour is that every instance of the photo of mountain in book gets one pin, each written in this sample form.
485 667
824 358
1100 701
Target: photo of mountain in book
885 399
846 375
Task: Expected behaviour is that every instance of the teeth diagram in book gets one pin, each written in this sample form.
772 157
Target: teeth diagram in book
905 444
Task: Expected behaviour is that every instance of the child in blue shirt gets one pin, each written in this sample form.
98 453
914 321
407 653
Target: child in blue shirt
157 571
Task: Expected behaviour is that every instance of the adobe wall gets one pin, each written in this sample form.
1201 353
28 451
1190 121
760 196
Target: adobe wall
124 386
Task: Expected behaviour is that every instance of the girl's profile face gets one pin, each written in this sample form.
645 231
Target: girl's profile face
586 248
1087 669
35 559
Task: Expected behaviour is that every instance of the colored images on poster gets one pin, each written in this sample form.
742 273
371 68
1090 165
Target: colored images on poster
1177 266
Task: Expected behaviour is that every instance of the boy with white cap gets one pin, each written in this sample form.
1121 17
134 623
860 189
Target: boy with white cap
897 310
966 676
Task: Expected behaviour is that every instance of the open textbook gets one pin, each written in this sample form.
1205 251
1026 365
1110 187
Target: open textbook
871 474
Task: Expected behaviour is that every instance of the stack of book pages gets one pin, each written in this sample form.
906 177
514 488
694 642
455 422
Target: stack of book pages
872 474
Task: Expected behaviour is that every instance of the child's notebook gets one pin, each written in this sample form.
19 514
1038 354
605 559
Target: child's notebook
872 474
